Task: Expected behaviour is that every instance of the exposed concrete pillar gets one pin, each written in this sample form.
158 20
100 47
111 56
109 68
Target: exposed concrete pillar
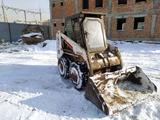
153 24
109 18
75 6
109 29
109 6
63 10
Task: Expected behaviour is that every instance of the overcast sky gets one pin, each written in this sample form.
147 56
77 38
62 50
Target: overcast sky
30 5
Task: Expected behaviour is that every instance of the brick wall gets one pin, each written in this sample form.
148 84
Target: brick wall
131 6
93 8
113 11
129 31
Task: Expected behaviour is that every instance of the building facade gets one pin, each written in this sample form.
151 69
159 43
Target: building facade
125 19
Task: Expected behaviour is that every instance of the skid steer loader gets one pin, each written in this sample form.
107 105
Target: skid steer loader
85 57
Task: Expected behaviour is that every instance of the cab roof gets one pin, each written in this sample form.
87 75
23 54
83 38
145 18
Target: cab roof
86 14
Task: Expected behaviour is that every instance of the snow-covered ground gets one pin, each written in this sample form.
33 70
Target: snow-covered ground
31 88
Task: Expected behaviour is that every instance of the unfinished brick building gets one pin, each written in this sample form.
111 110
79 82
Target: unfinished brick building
125 19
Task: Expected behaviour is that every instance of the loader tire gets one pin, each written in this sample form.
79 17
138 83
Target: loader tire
63 67
77 76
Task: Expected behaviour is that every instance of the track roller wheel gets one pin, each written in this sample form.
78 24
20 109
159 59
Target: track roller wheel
76 76
63 67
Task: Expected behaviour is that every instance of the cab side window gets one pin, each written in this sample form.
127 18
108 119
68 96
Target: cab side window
77 32
69 29
73 31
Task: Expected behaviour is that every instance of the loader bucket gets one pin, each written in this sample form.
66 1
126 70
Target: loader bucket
113 92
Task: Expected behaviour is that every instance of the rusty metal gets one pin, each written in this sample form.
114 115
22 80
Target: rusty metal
113 92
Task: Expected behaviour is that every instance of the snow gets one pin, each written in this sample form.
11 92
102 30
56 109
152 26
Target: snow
141 54
32 34
31 88
46 46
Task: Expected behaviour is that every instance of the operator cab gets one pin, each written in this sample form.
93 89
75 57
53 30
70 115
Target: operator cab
81 29
87 29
